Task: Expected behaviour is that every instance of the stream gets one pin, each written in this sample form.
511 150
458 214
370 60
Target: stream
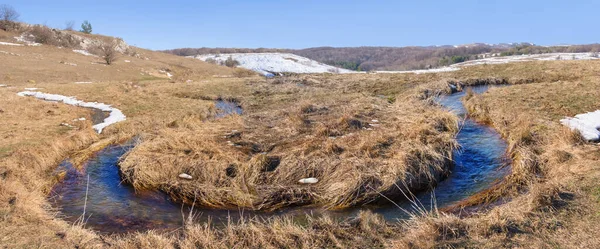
112 206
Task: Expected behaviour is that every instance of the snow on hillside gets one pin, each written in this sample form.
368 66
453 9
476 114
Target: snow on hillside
504 60
269 63
532 57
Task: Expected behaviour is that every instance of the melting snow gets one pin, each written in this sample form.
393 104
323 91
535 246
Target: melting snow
10 44
115 114
587 124
83 82
25 40
504 60
269 63
165 72
310 180
83 52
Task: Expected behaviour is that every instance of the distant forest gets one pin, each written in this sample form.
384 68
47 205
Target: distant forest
399 58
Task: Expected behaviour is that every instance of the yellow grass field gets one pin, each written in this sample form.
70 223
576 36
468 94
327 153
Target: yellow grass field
361 135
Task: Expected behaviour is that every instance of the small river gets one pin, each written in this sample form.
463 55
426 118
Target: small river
115 207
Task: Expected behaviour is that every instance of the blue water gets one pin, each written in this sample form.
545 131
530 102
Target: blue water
116 207
226 108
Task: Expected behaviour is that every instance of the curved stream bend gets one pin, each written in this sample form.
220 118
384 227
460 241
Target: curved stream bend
116 207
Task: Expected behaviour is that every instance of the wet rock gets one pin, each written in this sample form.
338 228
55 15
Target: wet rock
310 180
185 176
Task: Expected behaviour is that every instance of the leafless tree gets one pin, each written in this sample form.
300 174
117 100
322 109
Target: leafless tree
108 52
69 25
8 17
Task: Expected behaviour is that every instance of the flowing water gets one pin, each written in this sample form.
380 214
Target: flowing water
112 206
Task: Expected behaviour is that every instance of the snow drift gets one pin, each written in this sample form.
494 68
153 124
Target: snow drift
587 124
271 63
115 114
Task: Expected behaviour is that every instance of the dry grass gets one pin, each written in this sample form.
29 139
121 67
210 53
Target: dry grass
302 132
312 126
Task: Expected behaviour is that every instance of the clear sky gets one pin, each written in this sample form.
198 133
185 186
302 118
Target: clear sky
300 24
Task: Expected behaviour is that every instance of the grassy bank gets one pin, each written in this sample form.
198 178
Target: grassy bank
313 126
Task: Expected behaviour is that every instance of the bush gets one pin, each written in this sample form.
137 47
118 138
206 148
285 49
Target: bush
86 27
212 61
108 52
230 62
8 17
43 35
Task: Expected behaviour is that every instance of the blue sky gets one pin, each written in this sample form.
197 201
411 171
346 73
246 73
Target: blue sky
301 24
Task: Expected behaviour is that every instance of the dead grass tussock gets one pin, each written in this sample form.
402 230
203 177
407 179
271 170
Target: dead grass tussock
357 149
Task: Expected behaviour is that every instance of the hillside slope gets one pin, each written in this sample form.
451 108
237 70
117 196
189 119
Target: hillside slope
26 62
271 63
401 58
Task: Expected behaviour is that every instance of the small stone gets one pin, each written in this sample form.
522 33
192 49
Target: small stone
310 180
185 176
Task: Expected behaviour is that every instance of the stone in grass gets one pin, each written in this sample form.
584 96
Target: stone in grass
310 180
185 176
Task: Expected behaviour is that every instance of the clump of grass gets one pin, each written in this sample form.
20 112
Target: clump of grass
353 157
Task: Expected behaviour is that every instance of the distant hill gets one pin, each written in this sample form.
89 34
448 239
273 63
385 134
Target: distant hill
269 64
401 58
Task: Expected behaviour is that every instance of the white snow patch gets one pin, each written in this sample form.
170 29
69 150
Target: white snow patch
2 85
68 63
422 71
127 61
115 114
167 73
269 63
83 82
586 123
185 176
310 180
25 40
83 52
504 60
10 44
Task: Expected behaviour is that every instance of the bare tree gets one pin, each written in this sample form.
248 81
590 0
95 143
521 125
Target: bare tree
108 52
69 25
8 17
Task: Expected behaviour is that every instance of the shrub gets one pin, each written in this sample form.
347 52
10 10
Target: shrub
212 61
43 35
230 62
108 52
86 27
8 17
